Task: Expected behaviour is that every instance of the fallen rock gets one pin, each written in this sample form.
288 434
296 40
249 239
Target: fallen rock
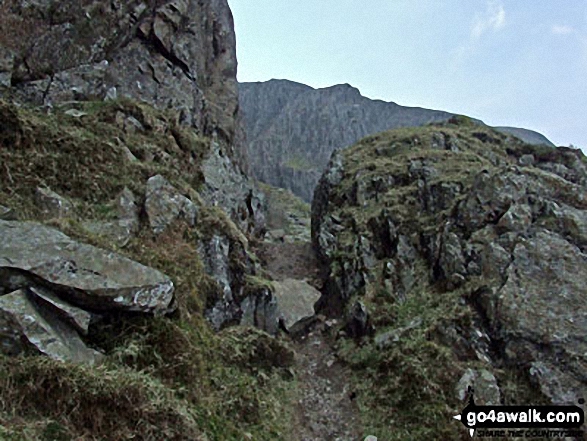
21 320
7 213
484 385
296 299
52 205
164 204
34 254
388 338
357 321
76 317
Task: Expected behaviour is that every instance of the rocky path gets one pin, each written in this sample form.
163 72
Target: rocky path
325 409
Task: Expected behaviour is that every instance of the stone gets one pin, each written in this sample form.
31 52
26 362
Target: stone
357 321
75 113
52 205
295 299
164 204
261 311
22 319
83 275
121 230
76 317
526 160
388 338
484 384
7 213
517 218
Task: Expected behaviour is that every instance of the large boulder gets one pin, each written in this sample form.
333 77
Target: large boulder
95 279
25 323
295 299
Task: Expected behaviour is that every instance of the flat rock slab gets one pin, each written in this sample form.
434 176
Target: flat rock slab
295 299
22 320
85 276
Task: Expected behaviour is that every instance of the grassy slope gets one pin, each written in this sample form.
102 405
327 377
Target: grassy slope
164 378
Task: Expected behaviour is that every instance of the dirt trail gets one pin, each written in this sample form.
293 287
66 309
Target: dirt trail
325 410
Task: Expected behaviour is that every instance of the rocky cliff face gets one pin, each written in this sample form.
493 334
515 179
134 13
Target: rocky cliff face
125 221
458 240
176 55
292 129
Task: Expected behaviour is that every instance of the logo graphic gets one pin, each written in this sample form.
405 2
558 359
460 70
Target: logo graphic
520 417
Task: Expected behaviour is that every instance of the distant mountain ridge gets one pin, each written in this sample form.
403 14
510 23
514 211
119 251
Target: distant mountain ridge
292 129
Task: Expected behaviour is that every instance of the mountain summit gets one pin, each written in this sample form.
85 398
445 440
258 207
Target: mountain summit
292 129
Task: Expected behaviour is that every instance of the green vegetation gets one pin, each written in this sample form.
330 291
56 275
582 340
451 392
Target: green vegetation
84 158
407 182
299 162
164 377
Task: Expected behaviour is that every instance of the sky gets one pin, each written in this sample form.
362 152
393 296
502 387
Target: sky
519 63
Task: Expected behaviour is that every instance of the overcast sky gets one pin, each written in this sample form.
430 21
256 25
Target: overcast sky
508 62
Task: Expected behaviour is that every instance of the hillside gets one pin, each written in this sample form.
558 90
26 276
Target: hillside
458 257
126 224
292 129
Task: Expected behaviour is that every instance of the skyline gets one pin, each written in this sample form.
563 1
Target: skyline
509 63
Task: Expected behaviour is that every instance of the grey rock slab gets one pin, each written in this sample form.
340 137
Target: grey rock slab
296 299
21 319
261 311
387 338
77 317
82 274
164 204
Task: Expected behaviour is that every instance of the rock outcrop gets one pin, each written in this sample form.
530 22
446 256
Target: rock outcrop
178 55
292 129
453 212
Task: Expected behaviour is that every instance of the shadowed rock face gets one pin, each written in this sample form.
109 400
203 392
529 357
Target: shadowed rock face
292 129
451 208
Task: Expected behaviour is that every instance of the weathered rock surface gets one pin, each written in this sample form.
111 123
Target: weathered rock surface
240 297
164 204
86 276
484 385
295 299
449 209
292 129
22 320
52 205
178 55
122 229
